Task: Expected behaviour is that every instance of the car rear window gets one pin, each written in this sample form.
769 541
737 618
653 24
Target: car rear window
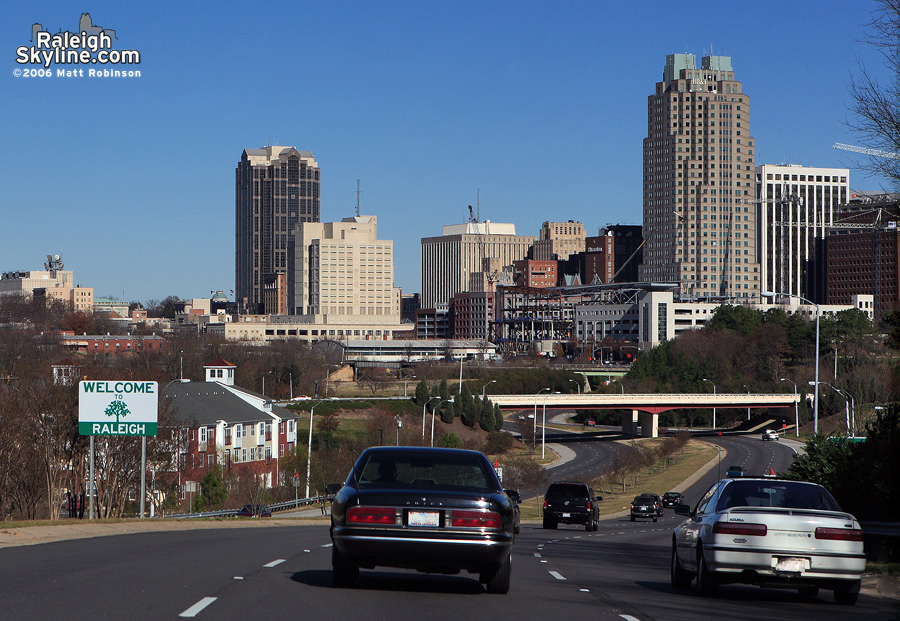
463 471
783 494
566 492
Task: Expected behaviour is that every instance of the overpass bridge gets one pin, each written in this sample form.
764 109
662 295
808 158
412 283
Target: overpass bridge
644 407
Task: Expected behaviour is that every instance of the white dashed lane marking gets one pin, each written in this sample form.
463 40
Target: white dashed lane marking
194 610
274 563
557 575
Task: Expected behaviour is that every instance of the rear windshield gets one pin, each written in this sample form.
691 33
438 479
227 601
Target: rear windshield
459 471
566 492
644 500
784 494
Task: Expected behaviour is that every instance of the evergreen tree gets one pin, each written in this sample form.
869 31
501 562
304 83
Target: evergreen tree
422 392
213 491
467 410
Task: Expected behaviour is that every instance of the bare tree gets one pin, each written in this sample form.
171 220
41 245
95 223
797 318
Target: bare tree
876 104
374 379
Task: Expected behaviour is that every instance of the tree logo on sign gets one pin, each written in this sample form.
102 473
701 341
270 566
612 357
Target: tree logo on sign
117 408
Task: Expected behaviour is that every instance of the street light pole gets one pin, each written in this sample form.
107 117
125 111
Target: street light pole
544 427
433 412
714 407
577 385
748 398
423 414
483 388
309 447
534 432
769 294
796 412
621 385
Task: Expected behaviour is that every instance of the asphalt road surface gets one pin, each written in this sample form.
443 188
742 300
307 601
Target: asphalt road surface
619 572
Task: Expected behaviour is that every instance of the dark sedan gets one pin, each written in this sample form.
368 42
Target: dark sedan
429 509
253 511
671 499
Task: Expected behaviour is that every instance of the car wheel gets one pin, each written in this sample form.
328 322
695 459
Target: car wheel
497 580
655 519
847 594
344 573
589 525
517 528
549 524
705 582
632 518
596 525
808 591
681 579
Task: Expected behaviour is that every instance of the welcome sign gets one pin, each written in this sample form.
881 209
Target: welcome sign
117 408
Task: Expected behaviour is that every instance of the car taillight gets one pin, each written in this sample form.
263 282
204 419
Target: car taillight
476 519
839 534
589 505
545 503
735 528
371 515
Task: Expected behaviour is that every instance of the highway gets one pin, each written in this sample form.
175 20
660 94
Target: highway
620 572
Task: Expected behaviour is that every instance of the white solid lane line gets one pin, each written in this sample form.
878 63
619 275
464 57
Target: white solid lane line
194 610
275 563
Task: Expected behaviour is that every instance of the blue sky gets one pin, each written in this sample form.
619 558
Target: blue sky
541 106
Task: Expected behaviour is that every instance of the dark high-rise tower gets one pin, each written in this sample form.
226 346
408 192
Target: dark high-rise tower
274 189
699 182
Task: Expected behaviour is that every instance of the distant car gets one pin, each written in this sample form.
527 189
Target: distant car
646 506
571 502
734 472
770 434
435 510
772 533
670 499
517 510
590 422
302 398
254 511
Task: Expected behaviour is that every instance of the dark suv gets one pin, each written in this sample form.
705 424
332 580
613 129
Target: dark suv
569 502
646 506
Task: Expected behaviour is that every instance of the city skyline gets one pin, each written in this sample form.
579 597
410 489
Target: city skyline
542 110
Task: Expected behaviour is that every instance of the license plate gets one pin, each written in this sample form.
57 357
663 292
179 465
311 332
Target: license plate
567 515
791 564
425 518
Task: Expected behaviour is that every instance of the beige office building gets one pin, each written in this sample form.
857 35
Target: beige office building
51 284
344 273
562 239
700 219
448 261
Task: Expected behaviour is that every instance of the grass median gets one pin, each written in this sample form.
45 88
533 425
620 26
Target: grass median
655 479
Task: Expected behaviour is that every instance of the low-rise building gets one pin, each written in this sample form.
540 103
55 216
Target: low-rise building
230 427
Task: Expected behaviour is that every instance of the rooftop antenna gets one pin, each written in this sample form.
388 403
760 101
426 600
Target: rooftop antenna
478 203
357 198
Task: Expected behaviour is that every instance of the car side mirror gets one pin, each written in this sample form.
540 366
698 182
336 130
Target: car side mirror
682 509
333 488
513 495
599 498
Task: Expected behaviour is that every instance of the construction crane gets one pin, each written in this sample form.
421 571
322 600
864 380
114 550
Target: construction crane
491 276
867 151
